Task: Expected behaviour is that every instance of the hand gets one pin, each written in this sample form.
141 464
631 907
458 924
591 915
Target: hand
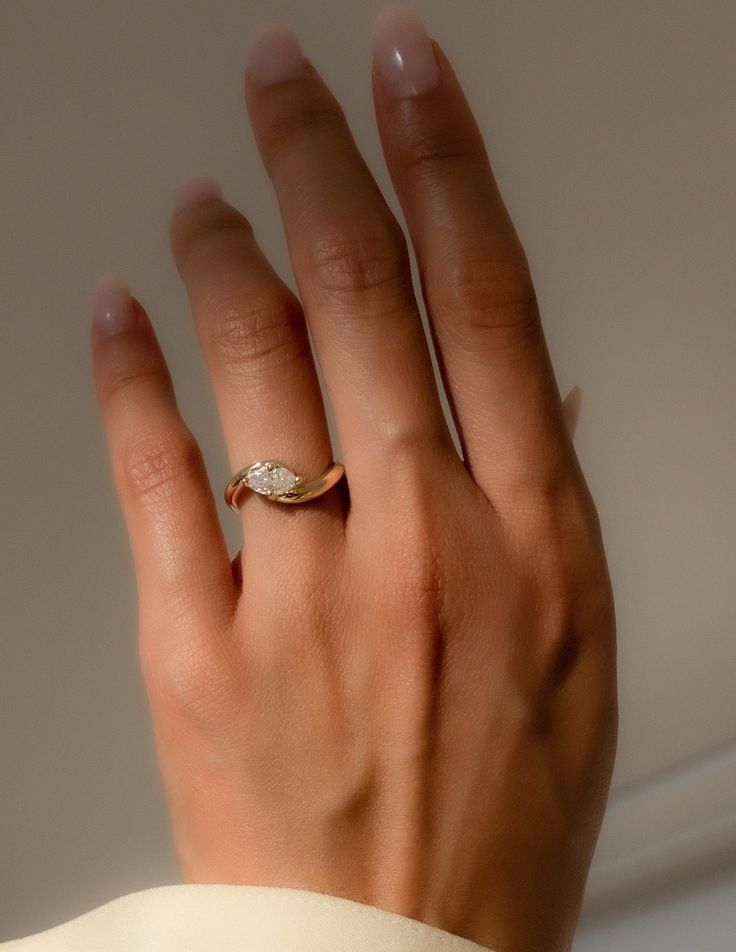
402 692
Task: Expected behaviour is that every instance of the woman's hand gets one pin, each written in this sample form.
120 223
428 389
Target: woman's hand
404 695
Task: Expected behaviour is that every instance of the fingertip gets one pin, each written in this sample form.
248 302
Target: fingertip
192 191
112 305
571 407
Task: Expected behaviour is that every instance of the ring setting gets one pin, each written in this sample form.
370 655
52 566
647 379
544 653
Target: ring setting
278 482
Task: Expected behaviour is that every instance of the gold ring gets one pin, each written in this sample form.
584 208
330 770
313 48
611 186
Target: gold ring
277 481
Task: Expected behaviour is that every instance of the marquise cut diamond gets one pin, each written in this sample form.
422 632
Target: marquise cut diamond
271 479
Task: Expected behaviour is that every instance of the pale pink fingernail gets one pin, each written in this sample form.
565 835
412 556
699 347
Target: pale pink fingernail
195 190
402 52
573 403
112 305
576 398
274 55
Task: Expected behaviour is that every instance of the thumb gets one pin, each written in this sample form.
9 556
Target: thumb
571 409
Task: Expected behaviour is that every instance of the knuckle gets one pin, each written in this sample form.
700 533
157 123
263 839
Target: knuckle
403 440
189 678
562 527
156 466
545 499
130 371
293 128
350 264
493 294
256 335
537 494
570 504
426 149
204 234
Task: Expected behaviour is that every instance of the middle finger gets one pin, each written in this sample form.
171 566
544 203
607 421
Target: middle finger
351 265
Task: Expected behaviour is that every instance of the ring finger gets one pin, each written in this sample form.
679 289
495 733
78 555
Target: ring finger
254 341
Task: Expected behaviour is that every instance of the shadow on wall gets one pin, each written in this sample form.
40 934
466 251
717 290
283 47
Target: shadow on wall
668 887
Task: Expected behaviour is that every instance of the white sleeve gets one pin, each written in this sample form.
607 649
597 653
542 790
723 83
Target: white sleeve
229 918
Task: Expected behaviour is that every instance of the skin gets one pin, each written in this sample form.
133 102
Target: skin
403 692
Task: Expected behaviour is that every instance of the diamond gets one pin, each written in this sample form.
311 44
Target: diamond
271 479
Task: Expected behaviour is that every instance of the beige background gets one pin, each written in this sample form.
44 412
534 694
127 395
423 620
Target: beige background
611 130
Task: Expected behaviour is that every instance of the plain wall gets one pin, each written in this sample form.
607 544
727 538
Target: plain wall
698 915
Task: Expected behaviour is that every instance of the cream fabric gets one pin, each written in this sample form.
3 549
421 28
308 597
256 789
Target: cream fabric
225 918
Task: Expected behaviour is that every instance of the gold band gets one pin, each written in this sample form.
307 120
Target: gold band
277 481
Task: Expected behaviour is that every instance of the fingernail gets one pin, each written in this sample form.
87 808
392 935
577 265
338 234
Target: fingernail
112 306
573 402
403 52
576 397
274 55
194 190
